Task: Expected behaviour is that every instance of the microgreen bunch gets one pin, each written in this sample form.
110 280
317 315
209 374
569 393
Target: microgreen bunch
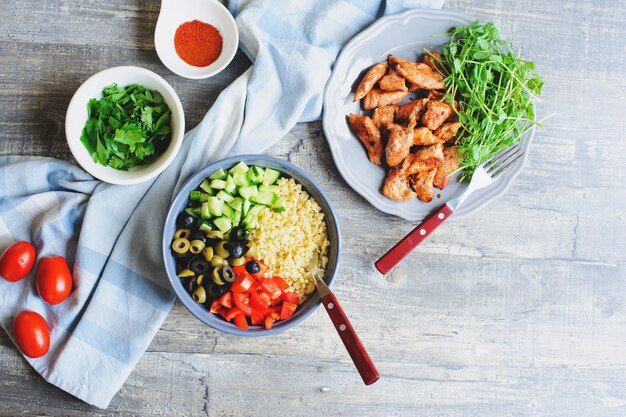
495 89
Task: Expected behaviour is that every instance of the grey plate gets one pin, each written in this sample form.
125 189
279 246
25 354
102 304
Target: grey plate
405 35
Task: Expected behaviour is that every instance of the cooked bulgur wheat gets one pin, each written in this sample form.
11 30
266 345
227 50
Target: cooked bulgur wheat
286 240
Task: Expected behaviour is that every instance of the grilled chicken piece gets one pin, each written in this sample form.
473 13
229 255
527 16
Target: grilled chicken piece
399 144
447 167
392 82
383 116
370 79
433 60
435 95
436 113
422 183
447 131
409 114
421 75
378 98
425 159
423 136
395 60
396 186
369 134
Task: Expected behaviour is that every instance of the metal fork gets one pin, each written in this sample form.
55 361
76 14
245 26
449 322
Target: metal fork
485 174
340 320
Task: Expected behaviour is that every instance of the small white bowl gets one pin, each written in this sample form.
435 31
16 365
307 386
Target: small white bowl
176 12
76 117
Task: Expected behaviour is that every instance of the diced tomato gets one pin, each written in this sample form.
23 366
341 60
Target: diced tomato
242 284
273 311
232 313
271 289
241 322
291 297
282 284
270 319
256 317
240 269
287 310
226 299
242 300
223 311
260 302
215 307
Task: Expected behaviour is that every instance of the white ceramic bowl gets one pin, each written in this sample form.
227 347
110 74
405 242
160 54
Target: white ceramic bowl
176 12
76 118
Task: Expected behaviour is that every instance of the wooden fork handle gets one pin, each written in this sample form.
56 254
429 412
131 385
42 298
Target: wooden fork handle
351 340
410 241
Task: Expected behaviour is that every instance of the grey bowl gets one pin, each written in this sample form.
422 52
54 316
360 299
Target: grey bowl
180 202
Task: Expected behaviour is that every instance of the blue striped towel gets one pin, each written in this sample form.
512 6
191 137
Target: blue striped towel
112 234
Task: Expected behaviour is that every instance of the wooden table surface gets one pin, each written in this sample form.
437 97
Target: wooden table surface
518 310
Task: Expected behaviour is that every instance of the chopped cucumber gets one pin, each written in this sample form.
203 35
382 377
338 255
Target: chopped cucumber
279 205
228 198
248 192
223 224
265 197
220 174
240 168
236 203
205 212
273 188
206 187
227 211
224 196
191 212
271 176
215 206
255 174
205 225
194 195
246 207
218 184
230 185
240 179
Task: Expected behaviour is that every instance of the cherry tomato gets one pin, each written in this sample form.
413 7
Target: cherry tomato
226 299
232 313
259 302
270 288
54 280
31 334
17 261
281 283
256 317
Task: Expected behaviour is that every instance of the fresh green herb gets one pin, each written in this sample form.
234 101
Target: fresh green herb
495 89
128 126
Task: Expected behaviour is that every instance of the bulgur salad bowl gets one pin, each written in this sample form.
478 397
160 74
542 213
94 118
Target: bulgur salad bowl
238 240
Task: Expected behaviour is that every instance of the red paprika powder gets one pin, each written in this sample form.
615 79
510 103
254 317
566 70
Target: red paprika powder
198 43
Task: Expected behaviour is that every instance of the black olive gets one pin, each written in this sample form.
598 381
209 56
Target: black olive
185 221
238 234
198 236
235 249
199 265
252 267
214 291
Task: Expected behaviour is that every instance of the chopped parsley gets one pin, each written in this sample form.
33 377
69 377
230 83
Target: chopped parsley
128 126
